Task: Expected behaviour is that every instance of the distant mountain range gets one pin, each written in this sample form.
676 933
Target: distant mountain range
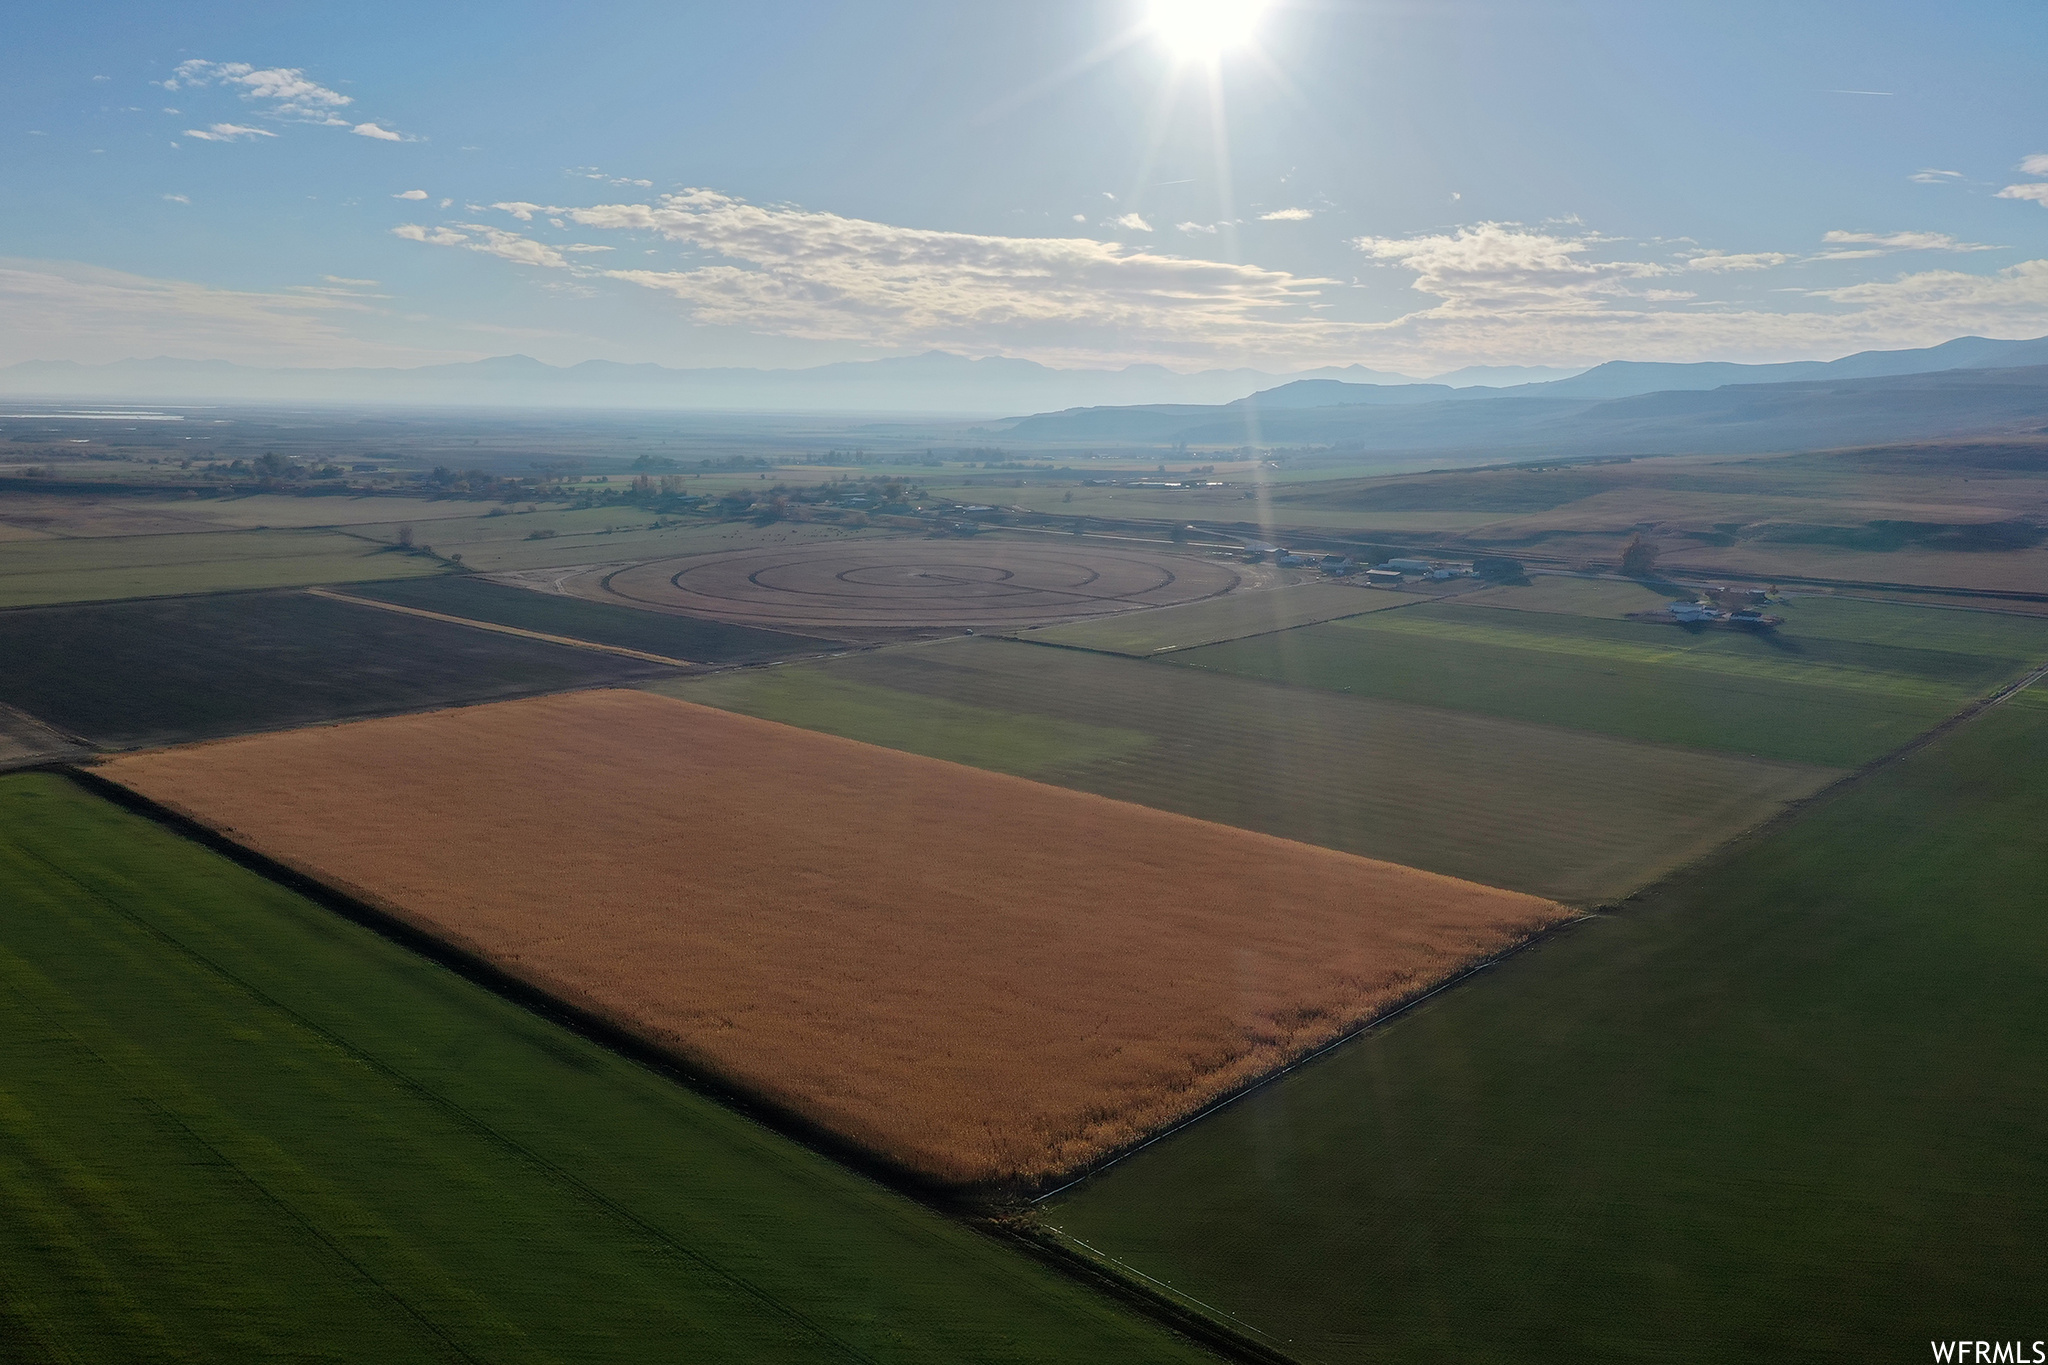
934 383
1967 385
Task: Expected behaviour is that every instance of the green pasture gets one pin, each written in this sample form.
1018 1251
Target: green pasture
1003 741
236 1127
1795 1107
1576 816
1230 617
601 535
576 618
1839 684
104 568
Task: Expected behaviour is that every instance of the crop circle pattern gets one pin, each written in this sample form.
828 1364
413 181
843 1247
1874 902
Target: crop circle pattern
916 583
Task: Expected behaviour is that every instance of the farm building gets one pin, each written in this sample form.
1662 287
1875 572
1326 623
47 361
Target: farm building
1693 611
1383 577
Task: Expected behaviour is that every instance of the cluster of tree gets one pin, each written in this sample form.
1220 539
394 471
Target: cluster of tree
1500 569
725 464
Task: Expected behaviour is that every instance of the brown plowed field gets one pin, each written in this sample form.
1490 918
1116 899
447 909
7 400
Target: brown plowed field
915 583
975 976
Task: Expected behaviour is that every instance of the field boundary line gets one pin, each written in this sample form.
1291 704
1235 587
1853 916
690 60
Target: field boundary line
497 629
961 1206
549 1167
1357 1030
1842 785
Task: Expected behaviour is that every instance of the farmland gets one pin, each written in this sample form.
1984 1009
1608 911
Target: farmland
1558 813
1223 618
980 979
234 1126
122 674
1796 1107
34 572
671 636
1839 684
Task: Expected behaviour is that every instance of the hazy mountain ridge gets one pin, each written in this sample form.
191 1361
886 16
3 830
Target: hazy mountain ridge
936 382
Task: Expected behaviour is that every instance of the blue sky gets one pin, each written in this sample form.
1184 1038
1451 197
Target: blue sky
1412 186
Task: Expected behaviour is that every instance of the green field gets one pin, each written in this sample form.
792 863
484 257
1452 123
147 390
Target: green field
651 632
236 1127
1575 816
1795 1108
1231 617
103 568
1840 683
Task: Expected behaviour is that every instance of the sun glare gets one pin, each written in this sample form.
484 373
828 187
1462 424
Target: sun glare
1203 30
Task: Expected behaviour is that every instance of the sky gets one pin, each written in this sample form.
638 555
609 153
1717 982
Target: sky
1412 186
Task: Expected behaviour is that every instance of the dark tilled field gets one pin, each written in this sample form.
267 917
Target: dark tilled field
652 632
132 674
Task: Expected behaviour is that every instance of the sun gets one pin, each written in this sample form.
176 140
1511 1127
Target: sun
1203 30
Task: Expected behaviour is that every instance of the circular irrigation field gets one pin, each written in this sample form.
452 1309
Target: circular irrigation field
916 583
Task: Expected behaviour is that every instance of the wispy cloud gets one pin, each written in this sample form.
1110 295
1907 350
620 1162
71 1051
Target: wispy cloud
1736 261
2036 164
410 194
1207 229
227 132
1506 267
1931 176
81 312
1287 216
1130 222
176 199
285 93
507 246
1883 242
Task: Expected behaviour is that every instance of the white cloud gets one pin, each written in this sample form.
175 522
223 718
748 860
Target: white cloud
176 199
227 132
2037 193
798 273
1207 228
381 134
410 194
1897 241
1746 260
2037 164
349 283
508 246
69 310
1130 222
1287 216
519 209
285 88
585 247
445 203
1931 176
1492 267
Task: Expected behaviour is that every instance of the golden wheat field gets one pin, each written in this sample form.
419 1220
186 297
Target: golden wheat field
977 977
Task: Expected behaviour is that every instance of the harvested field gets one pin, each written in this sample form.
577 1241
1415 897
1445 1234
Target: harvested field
976 977
1232 617
915 583
123 674
1537 808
